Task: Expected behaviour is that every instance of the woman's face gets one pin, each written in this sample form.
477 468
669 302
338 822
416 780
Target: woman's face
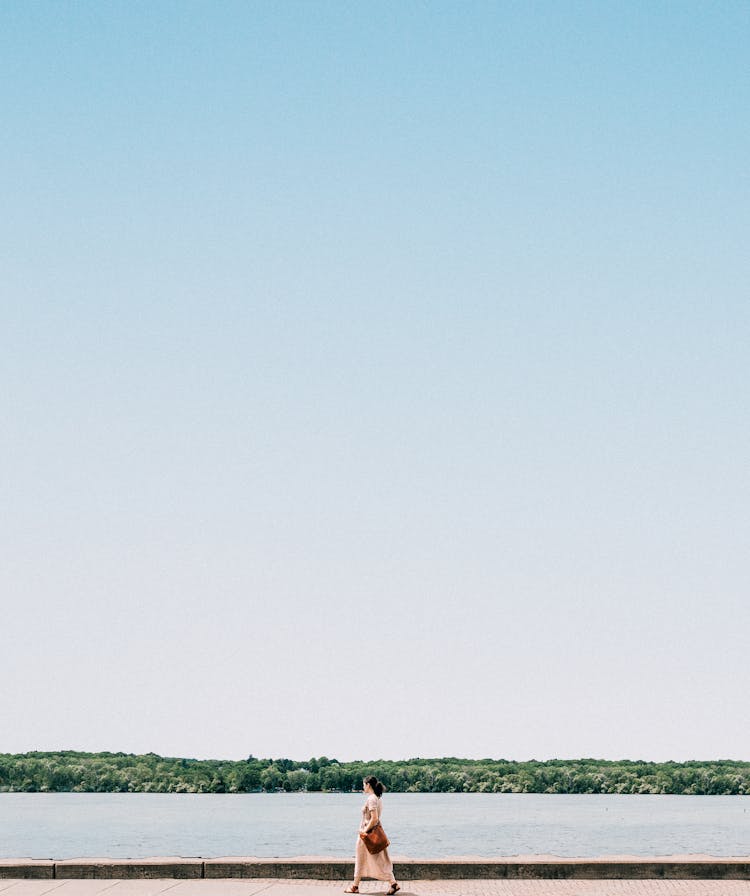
366 787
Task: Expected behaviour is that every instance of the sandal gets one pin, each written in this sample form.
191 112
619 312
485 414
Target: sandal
353 888
394 889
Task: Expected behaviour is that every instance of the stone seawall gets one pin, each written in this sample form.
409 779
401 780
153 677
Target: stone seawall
314 868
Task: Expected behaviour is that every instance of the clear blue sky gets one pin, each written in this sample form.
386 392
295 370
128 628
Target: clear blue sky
375 378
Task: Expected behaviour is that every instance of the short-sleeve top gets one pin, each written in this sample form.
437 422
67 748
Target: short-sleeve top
372 804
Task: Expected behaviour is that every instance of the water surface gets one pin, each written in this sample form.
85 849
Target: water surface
424 825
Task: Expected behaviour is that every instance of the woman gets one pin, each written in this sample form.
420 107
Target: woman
378 866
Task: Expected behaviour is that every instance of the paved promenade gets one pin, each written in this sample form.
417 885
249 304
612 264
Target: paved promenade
276 887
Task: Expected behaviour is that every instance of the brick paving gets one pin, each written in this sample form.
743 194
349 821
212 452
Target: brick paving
276 887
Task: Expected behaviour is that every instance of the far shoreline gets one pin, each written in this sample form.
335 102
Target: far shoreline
70 771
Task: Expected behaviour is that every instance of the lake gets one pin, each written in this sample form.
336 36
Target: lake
424 825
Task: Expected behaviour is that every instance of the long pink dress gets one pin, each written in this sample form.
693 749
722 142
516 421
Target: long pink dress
365 864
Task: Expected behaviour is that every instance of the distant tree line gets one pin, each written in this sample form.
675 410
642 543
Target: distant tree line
71 771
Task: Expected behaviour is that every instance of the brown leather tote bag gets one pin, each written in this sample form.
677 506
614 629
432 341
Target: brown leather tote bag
375 840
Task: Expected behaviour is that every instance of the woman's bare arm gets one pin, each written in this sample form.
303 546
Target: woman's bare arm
373 822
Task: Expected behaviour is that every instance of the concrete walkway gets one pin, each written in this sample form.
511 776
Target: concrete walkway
276 887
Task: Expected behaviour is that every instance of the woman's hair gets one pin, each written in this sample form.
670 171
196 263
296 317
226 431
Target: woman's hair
377 786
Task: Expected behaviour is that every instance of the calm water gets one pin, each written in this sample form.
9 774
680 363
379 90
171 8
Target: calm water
72 825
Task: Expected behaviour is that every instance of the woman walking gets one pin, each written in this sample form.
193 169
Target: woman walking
379 865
